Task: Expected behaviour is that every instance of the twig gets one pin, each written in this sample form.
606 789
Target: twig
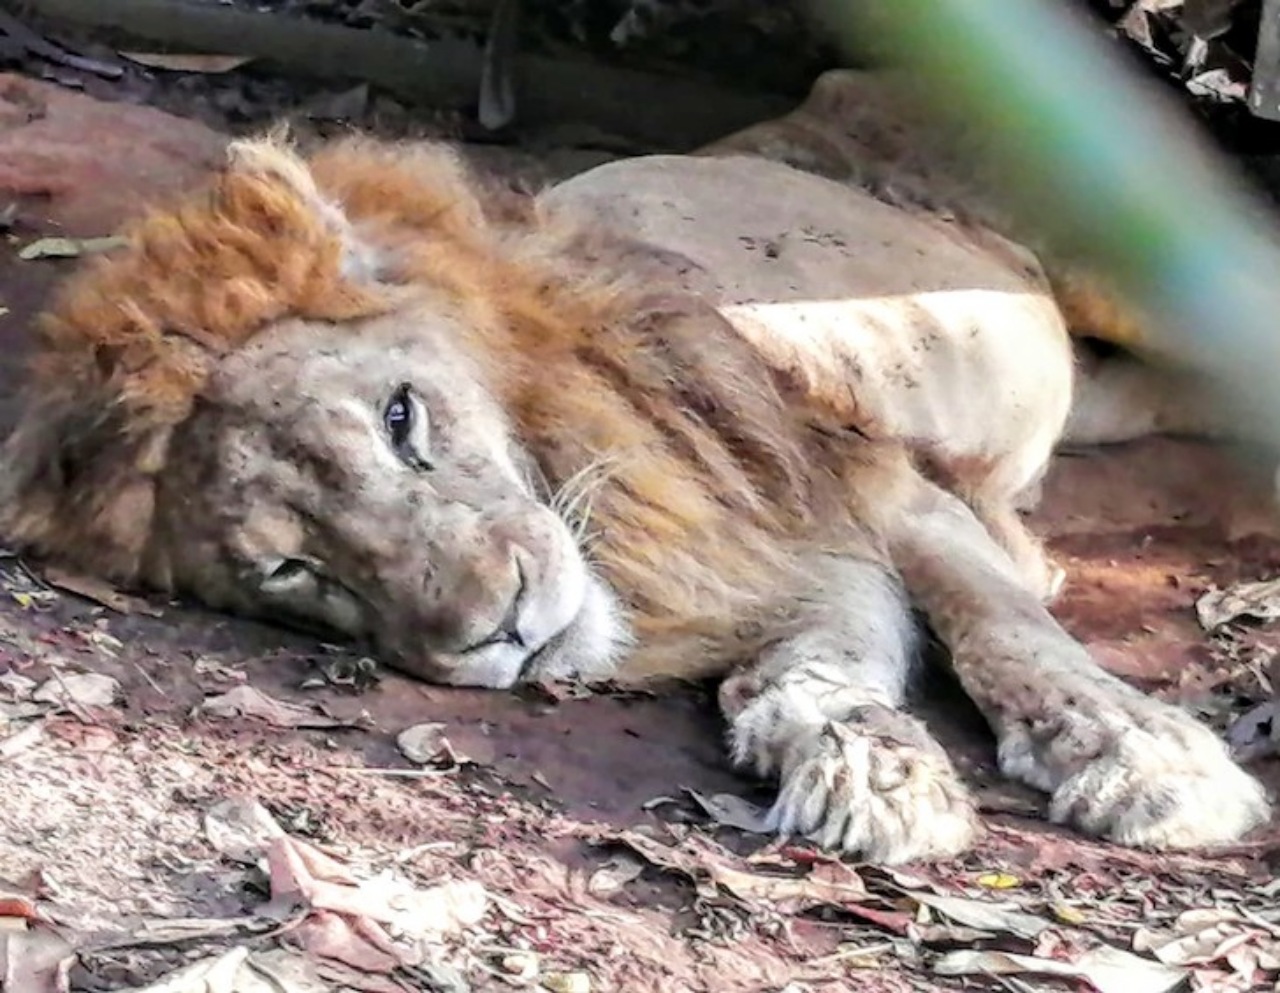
356 770
150 682
497 85
47 50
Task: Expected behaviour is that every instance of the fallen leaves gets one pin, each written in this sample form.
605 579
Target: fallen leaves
979 914
376 924
426 744
78 690
998 881
34 958
1108 970
79 693
20 741
1227 949
1260 601
246 701
728 810
828 884
1218 950
566 982
238 970
614 875
99 591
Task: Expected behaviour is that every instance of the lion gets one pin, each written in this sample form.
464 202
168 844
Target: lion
680 416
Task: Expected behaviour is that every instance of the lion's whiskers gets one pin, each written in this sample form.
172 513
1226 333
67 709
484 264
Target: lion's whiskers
572 502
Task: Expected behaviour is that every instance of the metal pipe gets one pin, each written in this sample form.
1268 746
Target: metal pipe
1108 171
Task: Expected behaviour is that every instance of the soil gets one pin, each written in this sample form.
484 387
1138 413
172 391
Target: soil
104 815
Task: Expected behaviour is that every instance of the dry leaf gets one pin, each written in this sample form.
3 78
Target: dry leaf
302 872
99 591
1110 970
999 918
238 970
1201 937
829 884
16 686
348 919
84 737
614 875
732 811
245 701
342 939
11 712
998 881
78 689
426 744
178 62
19 742
167 931
1260 601
566 982
14 904
1255 734
220 671
69 248
241 829
520 965
34 960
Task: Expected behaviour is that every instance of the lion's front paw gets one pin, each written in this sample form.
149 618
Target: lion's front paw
877 786
1155 793
1150 776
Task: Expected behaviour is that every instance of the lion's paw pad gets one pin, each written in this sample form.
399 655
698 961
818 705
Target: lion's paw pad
879 787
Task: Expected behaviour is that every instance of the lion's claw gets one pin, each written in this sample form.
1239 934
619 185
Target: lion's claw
1138 772
1154 792
879 787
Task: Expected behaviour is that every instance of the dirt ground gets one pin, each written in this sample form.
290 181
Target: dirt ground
596 831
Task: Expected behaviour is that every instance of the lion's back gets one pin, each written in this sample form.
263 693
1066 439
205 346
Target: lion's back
900 324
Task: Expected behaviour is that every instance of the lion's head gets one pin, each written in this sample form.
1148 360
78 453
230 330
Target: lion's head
251 404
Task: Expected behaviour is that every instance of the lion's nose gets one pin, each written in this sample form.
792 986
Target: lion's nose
478 599
508 629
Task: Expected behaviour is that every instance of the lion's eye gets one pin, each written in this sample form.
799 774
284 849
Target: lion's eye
406 424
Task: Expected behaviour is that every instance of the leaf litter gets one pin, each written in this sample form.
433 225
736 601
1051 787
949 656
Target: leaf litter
334 920
1216 949
246 701
1259 601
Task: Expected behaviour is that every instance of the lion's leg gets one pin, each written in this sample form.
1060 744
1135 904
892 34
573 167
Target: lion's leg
1116 762
1121 398
818 711
1039 573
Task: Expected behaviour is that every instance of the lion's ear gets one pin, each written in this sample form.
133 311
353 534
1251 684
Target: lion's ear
78 488
273 157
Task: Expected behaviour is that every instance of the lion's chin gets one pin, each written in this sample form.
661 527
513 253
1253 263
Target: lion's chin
589 648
